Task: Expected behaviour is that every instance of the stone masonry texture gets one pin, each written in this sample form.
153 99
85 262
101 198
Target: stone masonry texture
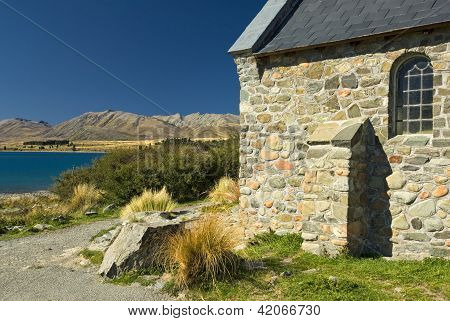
377 194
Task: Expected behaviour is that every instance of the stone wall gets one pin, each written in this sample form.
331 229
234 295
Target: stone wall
285 97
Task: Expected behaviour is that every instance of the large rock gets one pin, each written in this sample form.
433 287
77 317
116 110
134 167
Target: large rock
138 245
103 242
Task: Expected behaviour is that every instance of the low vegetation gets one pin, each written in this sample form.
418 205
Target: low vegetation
20 214
280 270
226 191
203 254
95 257
149 201
188 169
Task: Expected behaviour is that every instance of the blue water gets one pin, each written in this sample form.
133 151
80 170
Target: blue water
22 172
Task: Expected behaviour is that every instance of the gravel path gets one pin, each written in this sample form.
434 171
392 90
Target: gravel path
46 267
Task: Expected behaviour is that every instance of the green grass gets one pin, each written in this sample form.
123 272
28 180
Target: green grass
95 257
140 277
357 279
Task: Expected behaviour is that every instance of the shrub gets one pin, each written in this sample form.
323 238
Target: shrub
188 169
149 201
84 197
225 191
202 254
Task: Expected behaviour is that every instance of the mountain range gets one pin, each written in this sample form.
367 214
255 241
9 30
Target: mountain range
118 125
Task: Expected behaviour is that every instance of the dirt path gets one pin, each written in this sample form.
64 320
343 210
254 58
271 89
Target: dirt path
46 267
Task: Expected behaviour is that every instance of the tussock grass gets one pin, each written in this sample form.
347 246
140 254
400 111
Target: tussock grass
202 254
84 197
149 201
225 191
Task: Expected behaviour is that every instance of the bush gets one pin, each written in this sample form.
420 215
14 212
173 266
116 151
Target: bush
225 191
84 197
202 254
188 170
149 201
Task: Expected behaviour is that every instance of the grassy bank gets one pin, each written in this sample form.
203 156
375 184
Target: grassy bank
287 273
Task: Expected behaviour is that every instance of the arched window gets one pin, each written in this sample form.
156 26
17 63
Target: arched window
413 97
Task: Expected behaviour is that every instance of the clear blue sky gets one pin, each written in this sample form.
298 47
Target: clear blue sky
174 52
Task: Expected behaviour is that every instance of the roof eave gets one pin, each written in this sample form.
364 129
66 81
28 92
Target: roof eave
339 42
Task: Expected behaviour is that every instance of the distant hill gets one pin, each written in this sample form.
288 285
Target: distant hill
118 125
23 129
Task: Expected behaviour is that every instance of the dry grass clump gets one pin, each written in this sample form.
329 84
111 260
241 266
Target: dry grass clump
84 197
202 254
149 201
225 191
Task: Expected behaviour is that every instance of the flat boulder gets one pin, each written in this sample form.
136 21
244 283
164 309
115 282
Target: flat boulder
138 244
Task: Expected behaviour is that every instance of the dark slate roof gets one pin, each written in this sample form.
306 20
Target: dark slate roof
318 22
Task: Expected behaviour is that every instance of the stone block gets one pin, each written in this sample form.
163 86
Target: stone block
423 209
340 212
396 180
400 223
420 237
277 182
444 205
417 141
404 197
433 224
269 155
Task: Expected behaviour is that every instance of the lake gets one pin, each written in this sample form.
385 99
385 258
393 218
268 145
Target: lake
22 172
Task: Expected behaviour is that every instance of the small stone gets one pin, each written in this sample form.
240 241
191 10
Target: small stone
443 235
338 242
423 209
344 93
254 185
440 191
283 165
333 279
310 271
295 181
418 160
413 187
268 204
433 224
416 223
269 155
274 143
309 236
354 111
417 141
91 213
444 205
332 83
264 118
277 182
400 223
405 197
420 237
424 195
246 191
395 159
350 81
396 180
286 274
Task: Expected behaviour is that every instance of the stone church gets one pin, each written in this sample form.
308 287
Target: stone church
345 125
